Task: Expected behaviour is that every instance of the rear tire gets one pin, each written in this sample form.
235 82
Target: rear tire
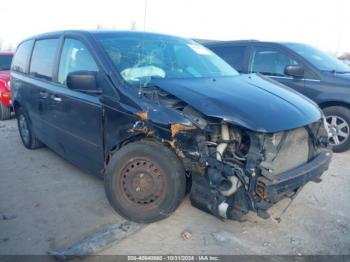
28 138
5 112
145 181
338 119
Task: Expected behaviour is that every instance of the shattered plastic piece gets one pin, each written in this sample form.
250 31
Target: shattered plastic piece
98 241
225 237
277 219
266 244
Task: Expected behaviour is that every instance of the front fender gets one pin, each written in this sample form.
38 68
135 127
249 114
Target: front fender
334 98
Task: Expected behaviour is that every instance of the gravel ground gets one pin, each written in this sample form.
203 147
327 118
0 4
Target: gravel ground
48 204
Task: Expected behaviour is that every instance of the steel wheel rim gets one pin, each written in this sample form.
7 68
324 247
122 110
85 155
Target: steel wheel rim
339 130
142 183
24 130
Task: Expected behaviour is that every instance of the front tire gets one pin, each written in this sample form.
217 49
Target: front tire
5 112
28 138
338 119
145 181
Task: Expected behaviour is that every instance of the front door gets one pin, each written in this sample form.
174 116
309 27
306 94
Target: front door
271 62
77 116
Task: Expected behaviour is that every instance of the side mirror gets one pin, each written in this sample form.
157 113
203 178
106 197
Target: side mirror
294 71
83 81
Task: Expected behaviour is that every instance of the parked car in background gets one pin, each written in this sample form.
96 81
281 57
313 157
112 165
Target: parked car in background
5 92
315 74
154 114
347 62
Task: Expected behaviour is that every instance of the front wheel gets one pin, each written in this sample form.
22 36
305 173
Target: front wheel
338 119
145 181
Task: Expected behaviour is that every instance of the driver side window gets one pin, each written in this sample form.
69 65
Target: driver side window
269 61
75 57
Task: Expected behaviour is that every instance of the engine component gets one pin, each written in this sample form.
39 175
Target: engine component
234 186
205 198
225 136
222 209
235 161
220 150
285 151
218 181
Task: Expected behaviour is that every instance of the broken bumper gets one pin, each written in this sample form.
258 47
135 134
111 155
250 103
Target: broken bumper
287 182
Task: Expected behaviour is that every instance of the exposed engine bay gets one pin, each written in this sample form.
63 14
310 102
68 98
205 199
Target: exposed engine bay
234 170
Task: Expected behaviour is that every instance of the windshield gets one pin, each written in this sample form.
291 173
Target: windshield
319 59
5 62
141 57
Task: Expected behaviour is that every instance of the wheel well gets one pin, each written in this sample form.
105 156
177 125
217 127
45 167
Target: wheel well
128 140
124 142
334 103
16 105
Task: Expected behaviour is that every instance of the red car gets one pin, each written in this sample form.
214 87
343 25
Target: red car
5 92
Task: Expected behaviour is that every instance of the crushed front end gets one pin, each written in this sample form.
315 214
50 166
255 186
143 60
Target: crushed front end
239 158
234 170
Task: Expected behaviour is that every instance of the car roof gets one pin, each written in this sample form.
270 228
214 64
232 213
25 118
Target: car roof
93 32
227 42
238 42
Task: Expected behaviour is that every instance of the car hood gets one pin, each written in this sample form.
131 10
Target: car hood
245 100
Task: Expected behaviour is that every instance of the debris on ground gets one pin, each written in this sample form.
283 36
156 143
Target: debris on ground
98 241
186 235
5 239
4 217
224 237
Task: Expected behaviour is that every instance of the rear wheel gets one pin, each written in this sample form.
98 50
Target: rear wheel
338 119
145 181
5 112
25 130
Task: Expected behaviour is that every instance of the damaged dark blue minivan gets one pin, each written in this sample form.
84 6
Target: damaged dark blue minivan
158 116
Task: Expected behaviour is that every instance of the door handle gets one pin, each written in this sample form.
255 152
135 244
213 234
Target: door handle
56 98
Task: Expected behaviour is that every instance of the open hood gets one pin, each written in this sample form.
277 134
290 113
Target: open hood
245 100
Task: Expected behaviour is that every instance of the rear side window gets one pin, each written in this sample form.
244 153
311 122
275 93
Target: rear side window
43 58
21 57
233 55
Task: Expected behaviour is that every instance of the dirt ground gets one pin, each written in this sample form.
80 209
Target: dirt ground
48 204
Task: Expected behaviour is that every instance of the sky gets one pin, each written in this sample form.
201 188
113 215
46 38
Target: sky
321 23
